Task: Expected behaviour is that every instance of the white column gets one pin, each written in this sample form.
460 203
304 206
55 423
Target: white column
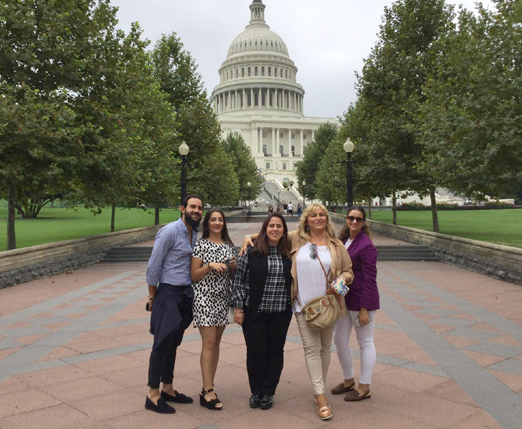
243 98
277 143
290 143
252 138
260 141
313 135
255 146
301 142
252 98
273 142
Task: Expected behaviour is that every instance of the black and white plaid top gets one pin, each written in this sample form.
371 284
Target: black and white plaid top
275 297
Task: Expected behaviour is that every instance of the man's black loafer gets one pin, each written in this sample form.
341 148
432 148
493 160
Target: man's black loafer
179 398
161 408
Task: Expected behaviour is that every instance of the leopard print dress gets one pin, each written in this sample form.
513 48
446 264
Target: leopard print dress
212 292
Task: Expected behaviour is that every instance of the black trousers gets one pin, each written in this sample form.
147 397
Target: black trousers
163 358
265 337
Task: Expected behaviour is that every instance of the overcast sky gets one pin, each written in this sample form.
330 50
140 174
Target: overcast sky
326 39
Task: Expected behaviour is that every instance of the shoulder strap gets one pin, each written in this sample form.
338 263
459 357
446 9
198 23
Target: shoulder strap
324 271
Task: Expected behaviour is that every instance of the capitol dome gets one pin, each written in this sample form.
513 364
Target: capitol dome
257 37
258 72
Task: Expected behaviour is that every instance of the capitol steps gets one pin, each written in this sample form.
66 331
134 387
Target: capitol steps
135 254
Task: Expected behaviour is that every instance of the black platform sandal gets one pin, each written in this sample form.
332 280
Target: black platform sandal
210 404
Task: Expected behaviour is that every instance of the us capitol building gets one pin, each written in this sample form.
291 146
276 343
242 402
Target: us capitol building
259 98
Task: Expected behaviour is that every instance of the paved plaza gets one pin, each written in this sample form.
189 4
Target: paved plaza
74 352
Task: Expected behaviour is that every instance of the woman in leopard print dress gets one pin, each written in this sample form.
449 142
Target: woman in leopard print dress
213 263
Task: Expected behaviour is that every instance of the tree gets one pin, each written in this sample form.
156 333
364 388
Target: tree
470 122
211 172
390 91
47 59
245 166
313 154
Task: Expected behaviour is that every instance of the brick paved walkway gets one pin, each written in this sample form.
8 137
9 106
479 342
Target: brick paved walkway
74 350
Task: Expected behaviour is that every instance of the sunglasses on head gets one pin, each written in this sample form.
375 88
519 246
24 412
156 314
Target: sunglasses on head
354 218
313 251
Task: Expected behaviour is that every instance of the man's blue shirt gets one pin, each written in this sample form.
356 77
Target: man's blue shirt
170 259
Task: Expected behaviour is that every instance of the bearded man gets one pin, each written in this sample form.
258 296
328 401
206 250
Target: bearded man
170 300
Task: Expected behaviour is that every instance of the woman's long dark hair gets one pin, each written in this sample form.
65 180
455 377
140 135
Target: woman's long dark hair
224 232
284 246
345 231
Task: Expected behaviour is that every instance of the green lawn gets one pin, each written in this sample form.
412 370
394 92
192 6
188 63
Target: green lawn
495 226
64 224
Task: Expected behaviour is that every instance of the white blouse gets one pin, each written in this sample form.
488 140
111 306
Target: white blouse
311 280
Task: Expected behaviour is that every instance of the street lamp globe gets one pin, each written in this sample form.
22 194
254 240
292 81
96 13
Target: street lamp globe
249 184
183 148
348 146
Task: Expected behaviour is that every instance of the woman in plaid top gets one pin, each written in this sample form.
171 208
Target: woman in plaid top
261 301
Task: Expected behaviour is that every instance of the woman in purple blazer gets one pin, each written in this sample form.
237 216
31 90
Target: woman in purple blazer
362 301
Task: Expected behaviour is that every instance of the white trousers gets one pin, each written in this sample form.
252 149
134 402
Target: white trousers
317 348
364 334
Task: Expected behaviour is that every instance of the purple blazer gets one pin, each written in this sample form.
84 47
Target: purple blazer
363 291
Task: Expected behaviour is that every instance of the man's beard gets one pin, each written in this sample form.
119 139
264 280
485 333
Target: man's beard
191 221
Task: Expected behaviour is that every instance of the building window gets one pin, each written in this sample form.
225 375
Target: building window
243 72
249 72
304 136
264 135
275 71
261 41
262 71
237 73
237 134
293 136
255 71
293 150
281 150
267 165
286 74
281 136
269 71
264 149
256 42
284 165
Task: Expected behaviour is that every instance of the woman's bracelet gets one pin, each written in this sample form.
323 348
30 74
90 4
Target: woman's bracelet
151 297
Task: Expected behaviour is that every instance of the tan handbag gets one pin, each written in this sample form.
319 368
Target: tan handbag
321 312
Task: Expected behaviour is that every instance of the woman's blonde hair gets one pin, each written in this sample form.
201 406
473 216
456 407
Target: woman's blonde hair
304 231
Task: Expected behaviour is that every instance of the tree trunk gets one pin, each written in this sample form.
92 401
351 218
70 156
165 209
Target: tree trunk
369 207
11 203
113 215
434 213
156 215
394 207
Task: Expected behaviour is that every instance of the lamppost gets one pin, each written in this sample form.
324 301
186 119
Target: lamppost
249 202
348 148
304 184
183 151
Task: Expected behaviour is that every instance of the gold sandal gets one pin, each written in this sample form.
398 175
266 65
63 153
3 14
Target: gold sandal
325 412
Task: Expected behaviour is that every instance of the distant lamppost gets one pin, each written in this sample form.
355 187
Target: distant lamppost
304 184
348 148
249 202
183 151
